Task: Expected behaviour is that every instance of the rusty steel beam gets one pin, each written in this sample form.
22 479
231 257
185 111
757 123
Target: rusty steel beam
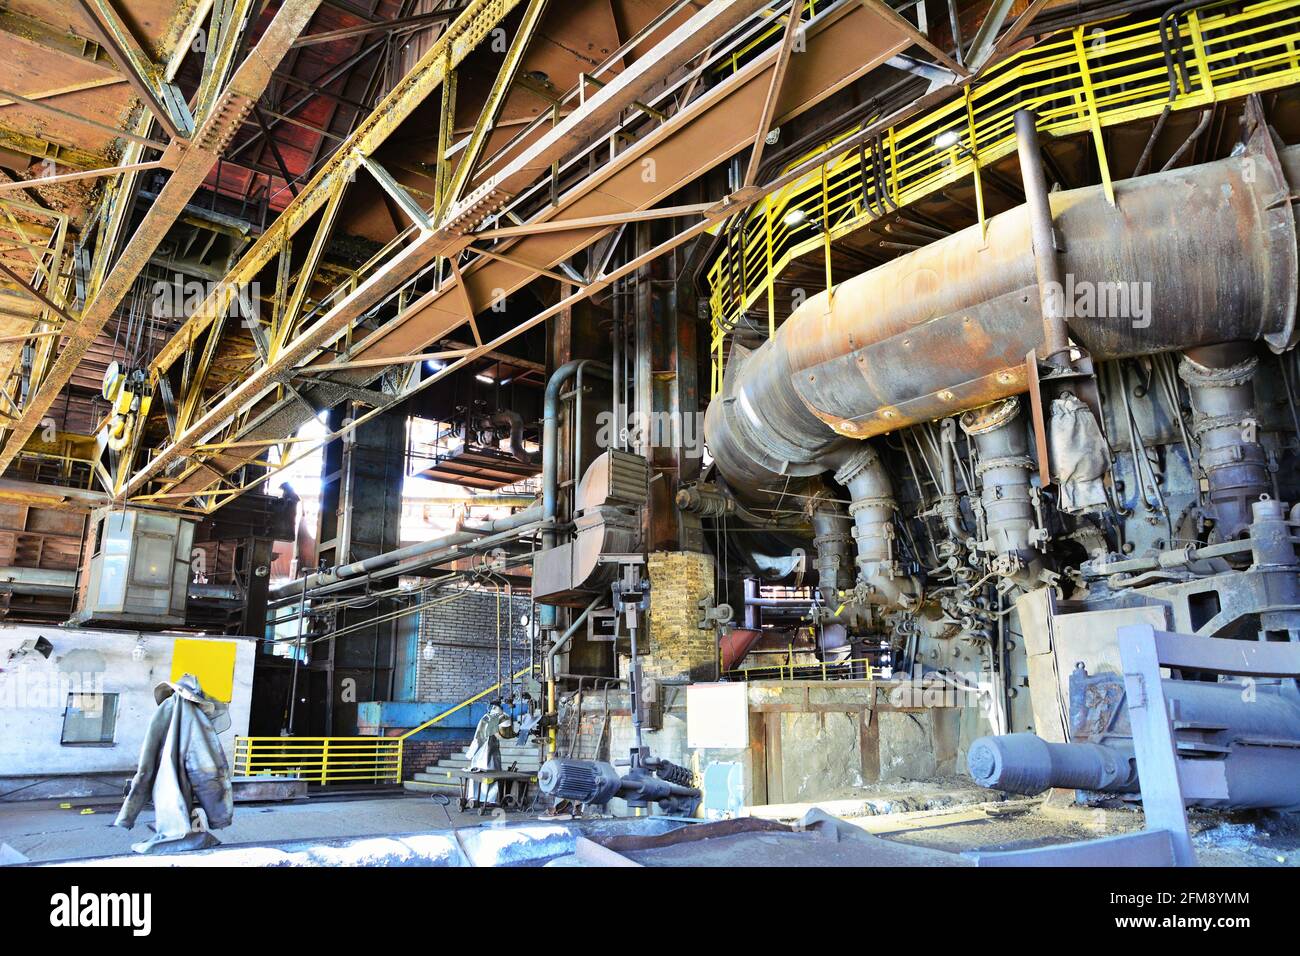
445 54
899 22
17 184
384 26
191 162
602 109
63 42
981 46
37 295
135 65
1012 34
472 150
841 48
590 222
792 26
51 497
83 120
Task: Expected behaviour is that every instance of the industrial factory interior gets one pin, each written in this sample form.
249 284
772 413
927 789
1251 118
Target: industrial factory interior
649 433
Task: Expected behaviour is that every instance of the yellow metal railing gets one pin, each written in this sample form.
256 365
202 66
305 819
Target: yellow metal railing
854 668
1078 82
336 760
323 760
464 703
768 37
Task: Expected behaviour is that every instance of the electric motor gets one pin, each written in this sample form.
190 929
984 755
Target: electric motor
583 781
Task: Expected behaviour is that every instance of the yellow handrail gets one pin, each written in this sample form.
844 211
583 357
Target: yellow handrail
464 703
322 760
327 760
791 670
1079 81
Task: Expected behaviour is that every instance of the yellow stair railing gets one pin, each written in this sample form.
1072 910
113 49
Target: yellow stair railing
464 703
337 760
1080 81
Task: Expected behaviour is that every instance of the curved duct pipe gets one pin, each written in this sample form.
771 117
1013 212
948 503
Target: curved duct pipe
735 645
832 531
948 327
872 509
465 535
562 641
516 422
551 455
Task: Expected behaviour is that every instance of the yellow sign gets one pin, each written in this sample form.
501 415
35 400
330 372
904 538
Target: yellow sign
212 662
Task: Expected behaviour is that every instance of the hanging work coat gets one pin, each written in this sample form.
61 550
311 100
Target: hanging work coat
183 768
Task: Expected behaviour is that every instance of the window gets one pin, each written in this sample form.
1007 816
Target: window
90 720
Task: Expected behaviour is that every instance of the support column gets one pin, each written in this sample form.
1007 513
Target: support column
668 421
361 516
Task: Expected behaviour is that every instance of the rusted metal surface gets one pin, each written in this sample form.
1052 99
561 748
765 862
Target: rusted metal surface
191 163
947 327
136 65
721 122
736 644
452 47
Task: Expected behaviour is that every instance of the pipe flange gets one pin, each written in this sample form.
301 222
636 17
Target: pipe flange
823 540
989 418
879 501
1197 375
1010 461
860 462
948 506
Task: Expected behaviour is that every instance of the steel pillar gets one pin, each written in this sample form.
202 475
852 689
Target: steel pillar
360 517
668 418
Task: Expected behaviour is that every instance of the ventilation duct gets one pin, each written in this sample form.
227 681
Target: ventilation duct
948 327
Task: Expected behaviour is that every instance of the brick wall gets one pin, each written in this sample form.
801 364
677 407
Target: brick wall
419 754
464 634
676 648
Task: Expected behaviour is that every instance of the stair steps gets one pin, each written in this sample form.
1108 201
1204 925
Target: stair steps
436 779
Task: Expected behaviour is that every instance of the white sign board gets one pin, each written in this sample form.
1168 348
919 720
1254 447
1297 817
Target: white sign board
717 716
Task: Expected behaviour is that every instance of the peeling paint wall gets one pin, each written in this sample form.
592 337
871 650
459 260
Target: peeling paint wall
34 693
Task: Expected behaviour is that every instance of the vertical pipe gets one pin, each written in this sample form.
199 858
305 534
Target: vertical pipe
1056 342
297 653
548 671
1220 381
551 455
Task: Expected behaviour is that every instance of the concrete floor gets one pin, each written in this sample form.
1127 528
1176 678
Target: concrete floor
43 832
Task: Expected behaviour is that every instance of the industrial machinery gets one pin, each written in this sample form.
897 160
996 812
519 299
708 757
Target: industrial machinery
1004 445
596 782
1246 736
649 779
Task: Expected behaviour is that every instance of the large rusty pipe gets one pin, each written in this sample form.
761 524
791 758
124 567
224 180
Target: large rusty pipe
947 327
